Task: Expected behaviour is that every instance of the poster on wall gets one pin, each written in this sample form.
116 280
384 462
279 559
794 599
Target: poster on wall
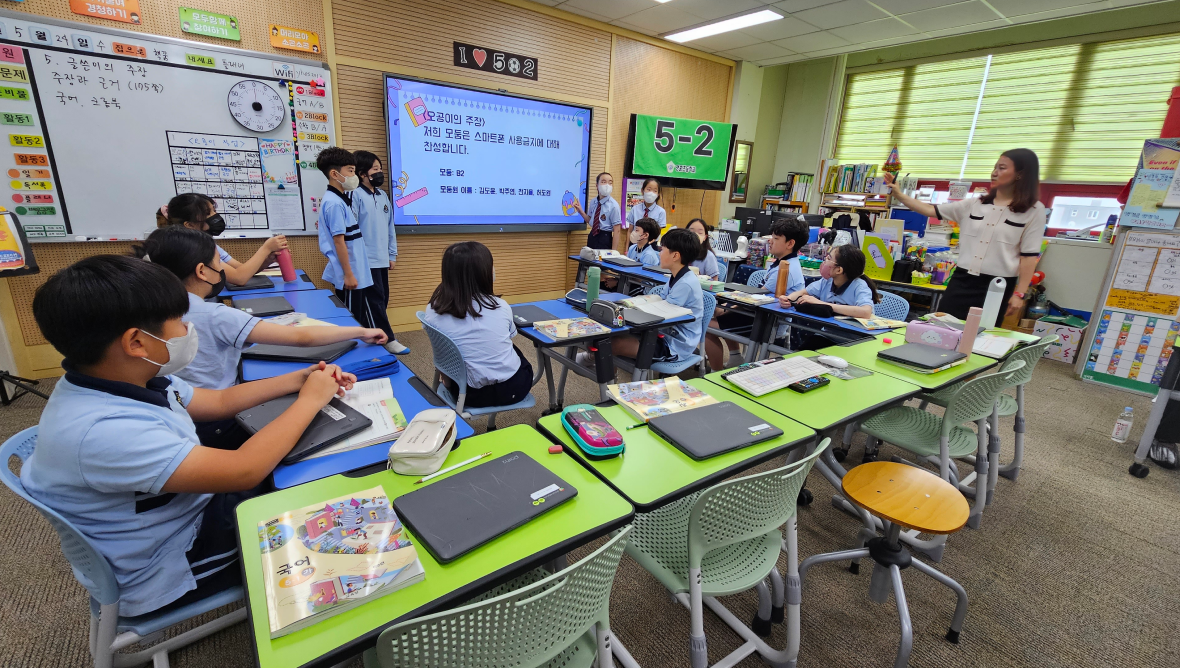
126 11
484 59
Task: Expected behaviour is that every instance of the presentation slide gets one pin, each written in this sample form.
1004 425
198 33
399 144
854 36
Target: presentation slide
459 156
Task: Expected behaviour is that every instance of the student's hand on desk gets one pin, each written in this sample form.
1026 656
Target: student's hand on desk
808 299
374 336
785 302
343 378
320 387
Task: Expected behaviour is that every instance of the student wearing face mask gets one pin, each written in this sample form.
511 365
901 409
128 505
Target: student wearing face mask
198 212
602 215
643 237
341 240
706 263
223 331
649 207
374 214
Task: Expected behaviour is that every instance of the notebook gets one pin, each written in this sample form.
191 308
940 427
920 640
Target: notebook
453 515
311 355
712 430
255 283
332 423
647 399
655 305
994 346
922 358
621 261
263 306
526 315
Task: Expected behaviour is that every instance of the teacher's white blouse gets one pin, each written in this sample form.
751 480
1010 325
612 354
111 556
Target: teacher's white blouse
992 239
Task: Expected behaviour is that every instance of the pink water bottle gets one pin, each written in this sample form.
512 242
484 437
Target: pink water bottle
970 330
286 265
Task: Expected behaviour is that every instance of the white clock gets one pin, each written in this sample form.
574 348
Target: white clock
256 106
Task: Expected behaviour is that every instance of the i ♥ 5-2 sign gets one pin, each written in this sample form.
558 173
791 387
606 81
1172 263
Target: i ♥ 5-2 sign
491 60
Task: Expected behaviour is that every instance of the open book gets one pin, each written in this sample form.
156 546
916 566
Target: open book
991 345
297 319
873 322
655 305
373 399
652 398
328 557
747 298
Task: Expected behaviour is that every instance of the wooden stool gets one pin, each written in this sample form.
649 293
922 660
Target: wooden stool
904 497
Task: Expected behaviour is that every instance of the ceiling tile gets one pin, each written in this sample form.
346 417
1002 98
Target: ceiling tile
1012 8
873 30
974 27
877 44
964 13
787 26
582 12
782 61
663 18
1026 17
844 13
813 42
906 6
799 5
715 9
760 51
724 41
631 26
612 9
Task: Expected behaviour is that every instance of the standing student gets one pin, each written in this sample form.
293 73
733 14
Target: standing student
706 263
603 216
341 241
374 213
643 238
464 308
649 207
198 212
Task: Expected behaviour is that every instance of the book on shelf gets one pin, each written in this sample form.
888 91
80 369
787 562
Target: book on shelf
570 328
331 556
374 399
647 399
655 305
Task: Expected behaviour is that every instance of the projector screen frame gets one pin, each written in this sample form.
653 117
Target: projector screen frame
672 182
490 229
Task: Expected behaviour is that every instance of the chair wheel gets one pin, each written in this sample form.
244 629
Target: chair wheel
854 568
869 457
840 455
953 636
1138 470
760 626
805 497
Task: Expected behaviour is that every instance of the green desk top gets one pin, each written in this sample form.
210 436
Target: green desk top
595 511
652 473
864 354
837 402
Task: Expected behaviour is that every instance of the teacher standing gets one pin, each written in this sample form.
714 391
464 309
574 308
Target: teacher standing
999 233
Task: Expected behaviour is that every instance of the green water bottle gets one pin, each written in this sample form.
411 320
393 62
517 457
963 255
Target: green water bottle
593 277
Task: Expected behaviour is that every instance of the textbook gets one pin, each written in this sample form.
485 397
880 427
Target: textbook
655 305
328 557
374 399
297 319
873 322
747 298
652 398
570 328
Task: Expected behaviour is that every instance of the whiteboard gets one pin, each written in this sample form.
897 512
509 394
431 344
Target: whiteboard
103 126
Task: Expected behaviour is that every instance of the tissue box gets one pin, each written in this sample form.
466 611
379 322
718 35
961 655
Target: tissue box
1069 329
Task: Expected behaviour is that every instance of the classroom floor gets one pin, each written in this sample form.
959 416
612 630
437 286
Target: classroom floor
1075 565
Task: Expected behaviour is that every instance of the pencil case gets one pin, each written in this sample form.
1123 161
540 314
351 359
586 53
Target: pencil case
932 335
594 436
424 444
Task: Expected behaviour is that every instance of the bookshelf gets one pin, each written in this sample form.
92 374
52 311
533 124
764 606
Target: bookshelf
790 194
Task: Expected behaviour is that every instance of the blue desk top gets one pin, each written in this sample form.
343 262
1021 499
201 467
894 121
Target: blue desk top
259 369
777 311
561 310
635 272
281 287
316 304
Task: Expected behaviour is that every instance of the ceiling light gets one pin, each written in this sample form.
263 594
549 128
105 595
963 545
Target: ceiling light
736 23
663 1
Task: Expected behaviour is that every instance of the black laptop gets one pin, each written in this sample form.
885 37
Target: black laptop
741 287
255 283
526 315
263 306
636 318
310 355
922 358
658 269
621 261
713 430
332 423
454 515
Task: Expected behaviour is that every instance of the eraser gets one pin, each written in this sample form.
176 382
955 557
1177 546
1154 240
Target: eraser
555 449
887 341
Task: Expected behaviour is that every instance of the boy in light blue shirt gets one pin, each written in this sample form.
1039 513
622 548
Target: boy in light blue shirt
643 237
374 214
679 341
117 452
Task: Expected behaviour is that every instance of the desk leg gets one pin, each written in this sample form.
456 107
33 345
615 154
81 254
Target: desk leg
580 277
647 348
547 371
760 333
571 353
935 299
604 367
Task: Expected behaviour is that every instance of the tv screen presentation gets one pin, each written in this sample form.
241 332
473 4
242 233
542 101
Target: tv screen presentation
463 159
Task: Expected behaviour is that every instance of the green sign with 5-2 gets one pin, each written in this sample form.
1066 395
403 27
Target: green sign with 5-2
681 148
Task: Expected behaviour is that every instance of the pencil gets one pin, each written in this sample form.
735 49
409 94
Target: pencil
452 468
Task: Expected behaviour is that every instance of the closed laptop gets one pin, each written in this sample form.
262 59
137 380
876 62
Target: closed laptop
713 430
309 354
922 357
334 422
263 306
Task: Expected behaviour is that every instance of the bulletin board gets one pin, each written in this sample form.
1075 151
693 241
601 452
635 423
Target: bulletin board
105 125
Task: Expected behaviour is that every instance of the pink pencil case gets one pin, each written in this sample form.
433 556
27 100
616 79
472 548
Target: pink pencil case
932 335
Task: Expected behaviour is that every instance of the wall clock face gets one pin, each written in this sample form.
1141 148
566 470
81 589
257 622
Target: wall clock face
256 106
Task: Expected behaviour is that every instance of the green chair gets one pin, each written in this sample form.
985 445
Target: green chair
938 440
558 621
725 540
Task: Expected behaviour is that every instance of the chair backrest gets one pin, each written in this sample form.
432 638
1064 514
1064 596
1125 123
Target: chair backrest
891 306
1030 355
447 357
720 240
757 278
745 508
975 398
525 627
710 305
91 569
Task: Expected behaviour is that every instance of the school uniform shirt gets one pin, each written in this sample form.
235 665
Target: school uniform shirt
648 256
337 218
854 293
992 239
221 335
374 214
224 256
104 451
708 266
795 280
485 342
645 210
604 214
684 289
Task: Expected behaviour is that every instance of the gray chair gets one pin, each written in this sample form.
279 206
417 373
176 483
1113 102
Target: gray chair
109 631
449 361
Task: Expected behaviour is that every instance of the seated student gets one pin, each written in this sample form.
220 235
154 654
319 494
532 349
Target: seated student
786 238
684 289
706 264
464 308
117 454
198 212
844 287
643 238
222 331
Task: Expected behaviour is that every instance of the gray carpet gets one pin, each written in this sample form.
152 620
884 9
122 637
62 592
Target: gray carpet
1075 564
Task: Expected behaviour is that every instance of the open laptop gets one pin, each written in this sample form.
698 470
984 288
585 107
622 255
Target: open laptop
332 423
712 430
922 358
456 514
255 283
525 315
621 261
310 355
263 306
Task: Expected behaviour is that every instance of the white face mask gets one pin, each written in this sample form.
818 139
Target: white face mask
351 182
181 351
604 190
650 197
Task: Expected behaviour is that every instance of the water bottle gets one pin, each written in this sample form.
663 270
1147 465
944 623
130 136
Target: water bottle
286 265
593 278
1122 426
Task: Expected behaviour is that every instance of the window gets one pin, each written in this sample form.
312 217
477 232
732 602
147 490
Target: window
1084 108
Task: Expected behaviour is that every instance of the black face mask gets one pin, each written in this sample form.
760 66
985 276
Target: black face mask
216 225
377 179
218 286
